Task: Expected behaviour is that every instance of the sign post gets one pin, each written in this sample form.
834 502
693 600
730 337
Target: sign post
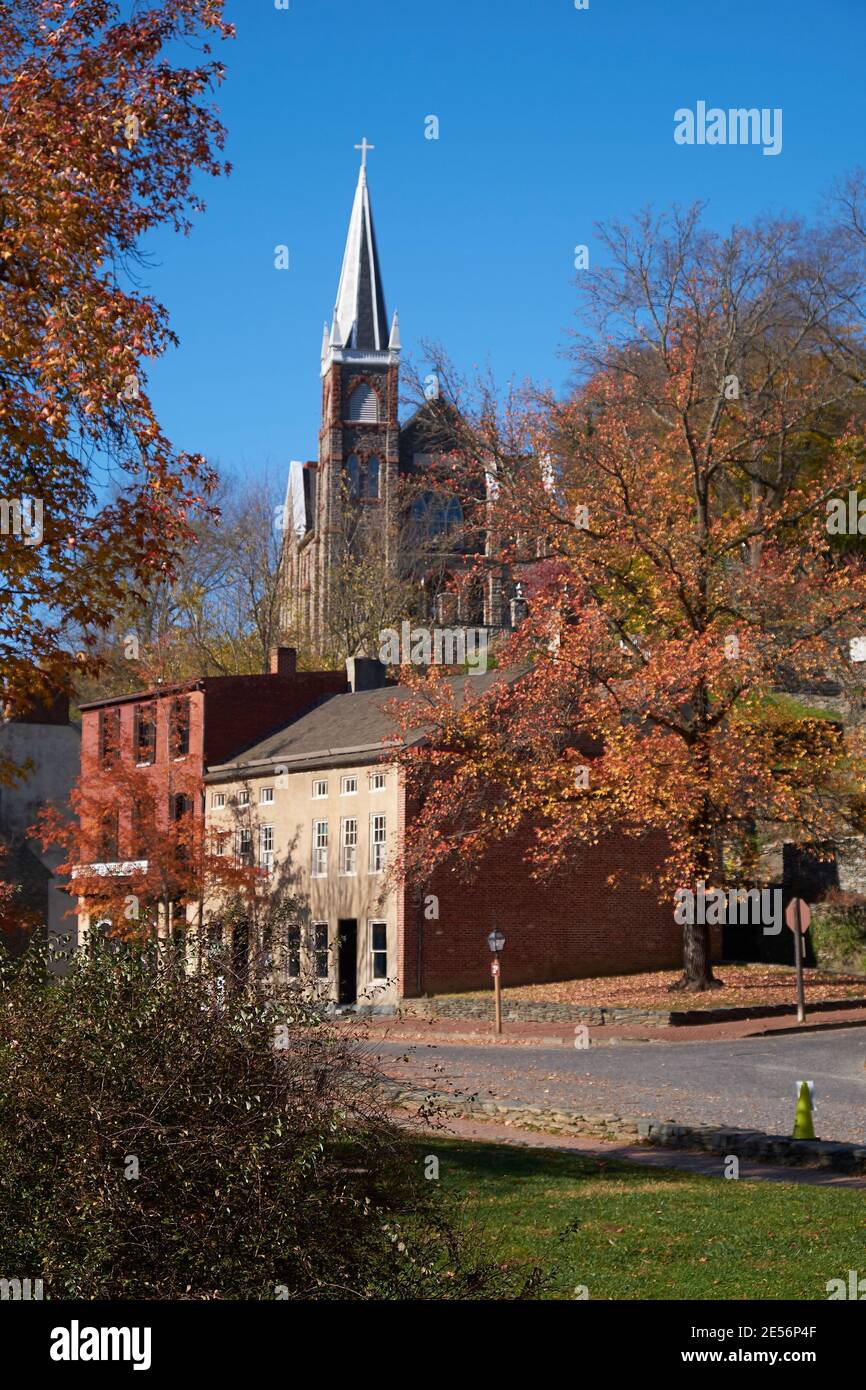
798 916
496 941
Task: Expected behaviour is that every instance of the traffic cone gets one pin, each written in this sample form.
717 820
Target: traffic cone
803 1127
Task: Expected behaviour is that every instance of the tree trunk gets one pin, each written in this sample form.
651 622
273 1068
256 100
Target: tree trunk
697 967
697 964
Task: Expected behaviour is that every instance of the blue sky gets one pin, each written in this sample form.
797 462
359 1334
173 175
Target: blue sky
550 119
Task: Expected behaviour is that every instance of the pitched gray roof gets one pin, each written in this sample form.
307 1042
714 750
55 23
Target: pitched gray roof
344 729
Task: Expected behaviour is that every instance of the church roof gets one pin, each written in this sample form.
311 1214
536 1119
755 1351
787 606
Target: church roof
359 312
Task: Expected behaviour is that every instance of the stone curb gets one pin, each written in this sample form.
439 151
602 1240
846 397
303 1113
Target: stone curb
431 1036
535 1012
746 1143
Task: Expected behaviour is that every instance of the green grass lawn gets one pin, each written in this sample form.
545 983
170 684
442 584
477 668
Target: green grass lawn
632 1233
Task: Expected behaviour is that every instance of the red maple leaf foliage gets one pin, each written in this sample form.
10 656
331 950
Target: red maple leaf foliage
137 850
674 605
102 132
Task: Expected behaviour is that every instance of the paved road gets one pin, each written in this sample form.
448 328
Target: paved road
750 1083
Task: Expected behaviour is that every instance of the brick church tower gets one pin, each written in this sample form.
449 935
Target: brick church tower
359 438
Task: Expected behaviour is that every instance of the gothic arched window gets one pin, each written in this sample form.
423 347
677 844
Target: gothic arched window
353 476
434 516
364 405
373 478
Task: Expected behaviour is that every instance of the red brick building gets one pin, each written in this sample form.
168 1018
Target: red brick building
576 925
197 723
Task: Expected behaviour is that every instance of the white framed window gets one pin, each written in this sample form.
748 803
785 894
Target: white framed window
320 789
243 798
320 849
266 847
377 843
320 950
244 843
218 799
377 781
349 845
379 950
266 796
348 786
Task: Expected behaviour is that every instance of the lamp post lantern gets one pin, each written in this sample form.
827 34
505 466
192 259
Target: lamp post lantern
496 942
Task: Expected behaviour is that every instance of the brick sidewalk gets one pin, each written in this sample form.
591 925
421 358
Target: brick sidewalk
684 1160
453 1030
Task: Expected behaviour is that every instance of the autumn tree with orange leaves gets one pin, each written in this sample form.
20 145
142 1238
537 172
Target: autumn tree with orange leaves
668 522
102 132
139 856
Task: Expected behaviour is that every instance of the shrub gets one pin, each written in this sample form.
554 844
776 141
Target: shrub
155 1143
838 933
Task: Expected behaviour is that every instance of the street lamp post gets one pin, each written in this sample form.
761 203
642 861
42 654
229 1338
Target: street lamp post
496 941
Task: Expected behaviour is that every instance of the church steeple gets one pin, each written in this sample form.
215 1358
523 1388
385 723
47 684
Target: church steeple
360 308
353 486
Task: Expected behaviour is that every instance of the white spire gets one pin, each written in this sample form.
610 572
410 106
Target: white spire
325 341
360 306
336 340
394 340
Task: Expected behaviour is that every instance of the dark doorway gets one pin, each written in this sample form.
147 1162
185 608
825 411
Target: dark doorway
347 960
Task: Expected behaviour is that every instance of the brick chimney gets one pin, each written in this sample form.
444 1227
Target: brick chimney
284 661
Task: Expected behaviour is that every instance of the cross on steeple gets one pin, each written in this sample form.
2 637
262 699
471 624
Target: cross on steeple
364 147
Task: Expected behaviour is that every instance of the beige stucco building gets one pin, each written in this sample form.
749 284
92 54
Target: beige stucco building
318 808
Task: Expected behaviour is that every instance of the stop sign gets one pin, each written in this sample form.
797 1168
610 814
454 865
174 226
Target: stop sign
791 914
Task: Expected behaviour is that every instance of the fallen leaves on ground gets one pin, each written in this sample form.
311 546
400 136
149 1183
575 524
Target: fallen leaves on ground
745 985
